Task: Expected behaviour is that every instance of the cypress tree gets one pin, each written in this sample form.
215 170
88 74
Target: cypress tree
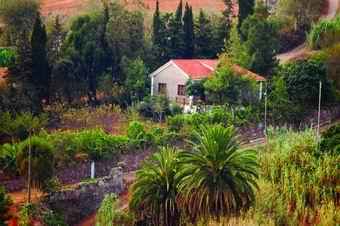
246 8
204 37
188 30
176 32
156 28
41 73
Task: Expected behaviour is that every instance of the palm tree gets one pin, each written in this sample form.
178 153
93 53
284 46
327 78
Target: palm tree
216 178
154 193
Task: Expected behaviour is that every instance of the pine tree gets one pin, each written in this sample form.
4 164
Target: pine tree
41 73
246 8
204 37
188 30
176 32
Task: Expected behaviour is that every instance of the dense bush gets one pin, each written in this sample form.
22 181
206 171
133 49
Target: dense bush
299 182
42 161
109 215
6 55
176 122
330 141
53 219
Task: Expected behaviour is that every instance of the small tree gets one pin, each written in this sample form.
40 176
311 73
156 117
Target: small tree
137 80
216 178
42 161
5 204
302 79
195 88
155 191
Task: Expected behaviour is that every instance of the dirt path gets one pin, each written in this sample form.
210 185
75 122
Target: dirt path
301 49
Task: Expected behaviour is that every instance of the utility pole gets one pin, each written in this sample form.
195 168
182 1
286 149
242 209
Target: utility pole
319 109
29 165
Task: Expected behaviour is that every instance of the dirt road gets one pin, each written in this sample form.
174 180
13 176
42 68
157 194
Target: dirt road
301 49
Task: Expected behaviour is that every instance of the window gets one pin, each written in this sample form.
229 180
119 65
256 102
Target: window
161 87
181 91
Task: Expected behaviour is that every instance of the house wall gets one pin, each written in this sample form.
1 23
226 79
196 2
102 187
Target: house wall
173 77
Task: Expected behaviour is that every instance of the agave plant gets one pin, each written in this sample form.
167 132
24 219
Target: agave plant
154 193
216 178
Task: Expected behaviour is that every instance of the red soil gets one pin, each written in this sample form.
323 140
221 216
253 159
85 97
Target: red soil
71 7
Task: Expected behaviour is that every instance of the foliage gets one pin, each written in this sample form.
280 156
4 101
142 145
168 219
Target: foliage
246 8
324 33
41 71
26 213
188 33
9 153
195 88
302 80
204 37
5 204
261 41
136 132
330 142
42 161
52 219
97 143
109 215
154 193
156 107
137 80
217 179
19 16
229 87
301 13
301 182
19 124
175 123
6 54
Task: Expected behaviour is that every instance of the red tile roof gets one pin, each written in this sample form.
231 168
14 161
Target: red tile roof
203 68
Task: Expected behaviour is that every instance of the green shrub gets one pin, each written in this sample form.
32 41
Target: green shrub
109 215
330 142
18 125
324 33
6 55
175 123
176 109
54 219
26 214
42 160
299 181
5 204
94 142
137 133
8 155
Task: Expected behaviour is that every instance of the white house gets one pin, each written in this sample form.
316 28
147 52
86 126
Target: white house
172 76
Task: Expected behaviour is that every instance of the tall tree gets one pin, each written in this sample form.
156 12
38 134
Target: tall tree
246 8
137 80
204 37
189 34
156 26
224 26
261 41
41 72
176 32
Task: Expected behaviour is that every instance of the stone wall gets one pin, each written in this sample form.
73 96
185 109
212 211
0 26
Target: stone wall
77 203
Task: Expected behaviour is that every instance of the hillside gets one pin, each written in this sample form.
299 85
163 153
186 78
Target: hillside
76 6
